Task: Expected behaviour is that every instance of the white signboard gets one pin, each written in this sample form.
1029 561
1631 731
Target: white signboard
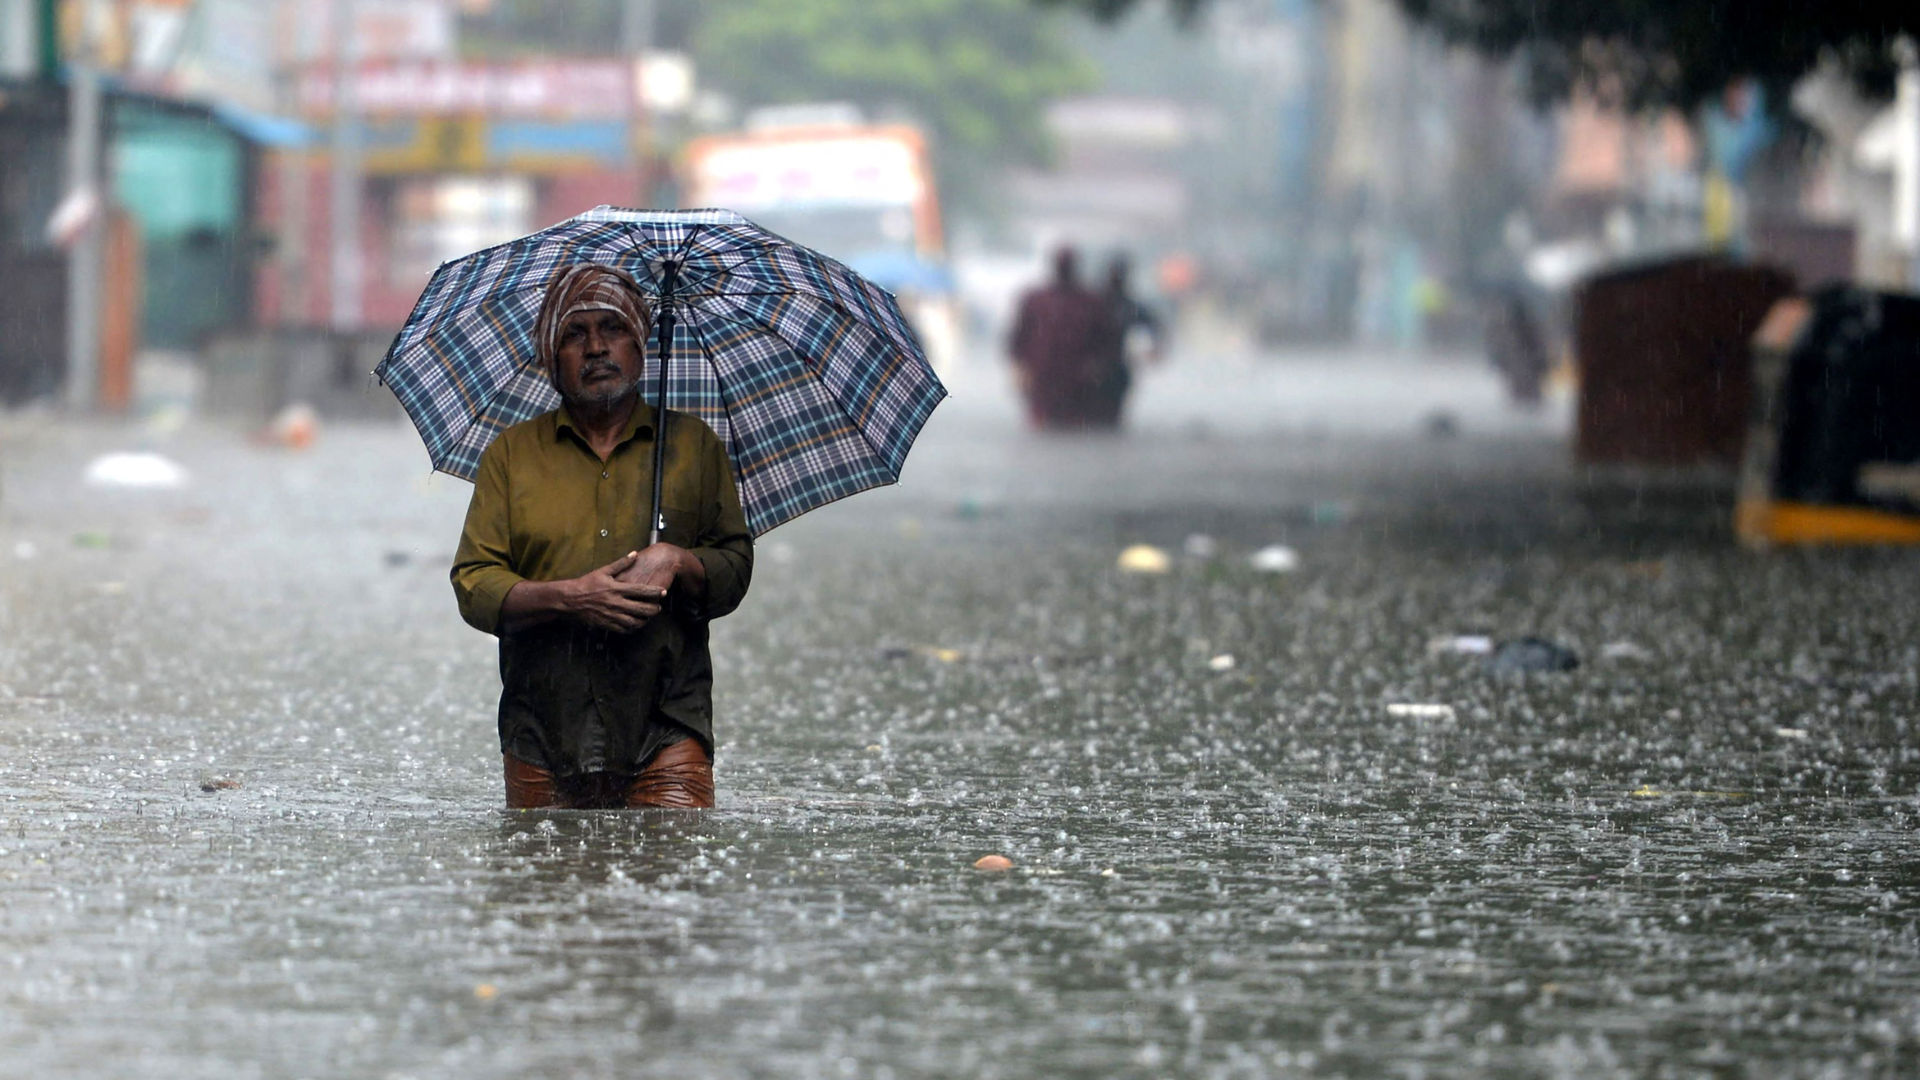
761 175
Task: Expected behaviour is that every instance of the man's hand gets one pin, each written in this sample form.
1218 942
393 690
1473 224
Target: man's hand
667 566
600 599
611 599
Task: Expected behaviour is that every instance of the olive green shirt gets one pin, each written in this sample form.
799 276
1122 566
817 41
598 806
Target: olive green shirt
545 508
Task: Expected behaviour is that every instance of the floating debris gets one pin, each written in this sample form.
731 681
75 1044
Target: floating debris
1645 792
1223 662
1461 645
931 652
1531 654
1275 559
135 470
1201 546
1791 732
24 550
1624 650
294 427
1329 513
1145 559
1420 711
994 863
221 783
488 991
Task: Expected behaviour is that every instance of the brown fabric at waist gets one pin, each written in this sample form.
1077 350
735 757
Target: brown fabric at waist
679 776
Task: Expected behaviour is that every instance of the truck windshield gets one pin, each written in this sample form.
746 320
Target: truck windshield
841 231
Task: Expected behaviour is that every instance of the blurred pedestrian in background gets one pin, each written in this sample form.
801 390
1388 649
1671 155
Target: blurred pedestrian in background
607 697
1515 346
1135 338
1064 343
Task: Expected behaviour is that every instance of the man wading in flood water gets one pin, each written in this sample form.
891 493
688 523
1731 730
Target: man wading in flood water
607 696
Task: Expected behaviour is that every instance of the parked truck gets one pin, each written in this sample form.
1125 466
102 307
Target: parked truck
860 193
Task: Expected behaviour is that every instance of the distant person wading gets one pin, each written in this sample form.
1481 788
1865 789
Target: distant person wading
607 697
1066 344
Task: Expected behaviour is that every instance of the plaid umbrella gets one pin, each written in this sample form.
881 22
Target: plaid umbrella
807 372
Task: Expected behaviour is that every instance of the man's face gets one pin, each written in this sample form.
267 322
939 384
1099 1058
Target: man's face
598 361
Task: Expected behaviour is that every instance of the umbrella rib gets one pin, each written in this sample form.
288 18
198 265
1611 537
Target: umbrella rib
748 253
830 301
878 454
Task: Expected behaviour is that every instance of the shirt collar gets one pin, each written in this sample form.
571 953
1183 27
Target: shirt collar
641 419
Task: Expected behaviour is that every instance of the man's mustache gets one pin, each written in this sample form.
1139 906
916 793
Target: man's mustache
590 370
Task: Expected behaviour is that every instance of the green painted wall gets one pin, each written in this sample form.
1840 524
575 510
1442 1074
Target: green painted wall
184 180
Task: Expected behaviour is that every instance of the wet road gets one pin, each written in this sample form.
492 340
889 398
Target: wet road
248 778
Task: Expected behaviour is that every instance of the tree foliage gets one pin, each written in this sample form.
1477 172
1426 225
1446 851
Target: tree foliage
1679 52
976 73
1658 52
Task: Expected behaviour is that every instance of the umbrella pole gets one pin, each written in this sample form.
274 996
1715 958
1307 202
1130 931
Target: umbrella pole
669 278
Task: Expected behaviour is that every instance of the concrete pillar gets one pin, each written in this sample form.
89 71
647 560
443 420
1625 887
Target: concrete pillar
88 255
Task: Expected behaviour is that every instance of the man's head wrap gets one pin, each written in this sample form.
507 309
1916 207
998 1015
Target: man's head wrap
588 287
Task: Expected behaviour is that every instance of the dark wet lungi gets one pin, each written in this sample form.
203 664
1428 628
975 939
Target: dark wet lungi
679 776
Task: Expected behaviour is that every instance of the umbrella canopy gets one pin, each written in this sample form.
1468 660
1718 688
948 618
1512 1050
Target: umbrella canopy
807 372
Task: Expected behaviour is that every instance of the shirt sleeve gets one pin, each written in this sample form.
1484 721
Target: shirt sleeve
725 546
482 567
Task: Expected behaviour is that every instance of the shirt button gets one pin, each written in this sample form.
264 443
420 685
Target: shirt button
603 476
603 532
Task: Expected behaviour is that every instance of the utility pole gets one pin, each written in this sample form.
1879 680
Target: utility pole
345 182
636 40
636 27
88 256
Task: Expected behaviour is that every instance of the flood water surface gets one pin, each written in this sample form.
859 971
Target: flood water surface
249 787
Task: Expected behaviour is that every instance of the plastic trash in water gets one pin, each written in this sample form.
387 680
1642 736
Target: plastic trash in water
295 427
1144 559
1420 711
1201 546
24 550
1329 513
990 862
1531 654
973 505
932 652
1275 559
135 470
1624 650
1223 662
1461 645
